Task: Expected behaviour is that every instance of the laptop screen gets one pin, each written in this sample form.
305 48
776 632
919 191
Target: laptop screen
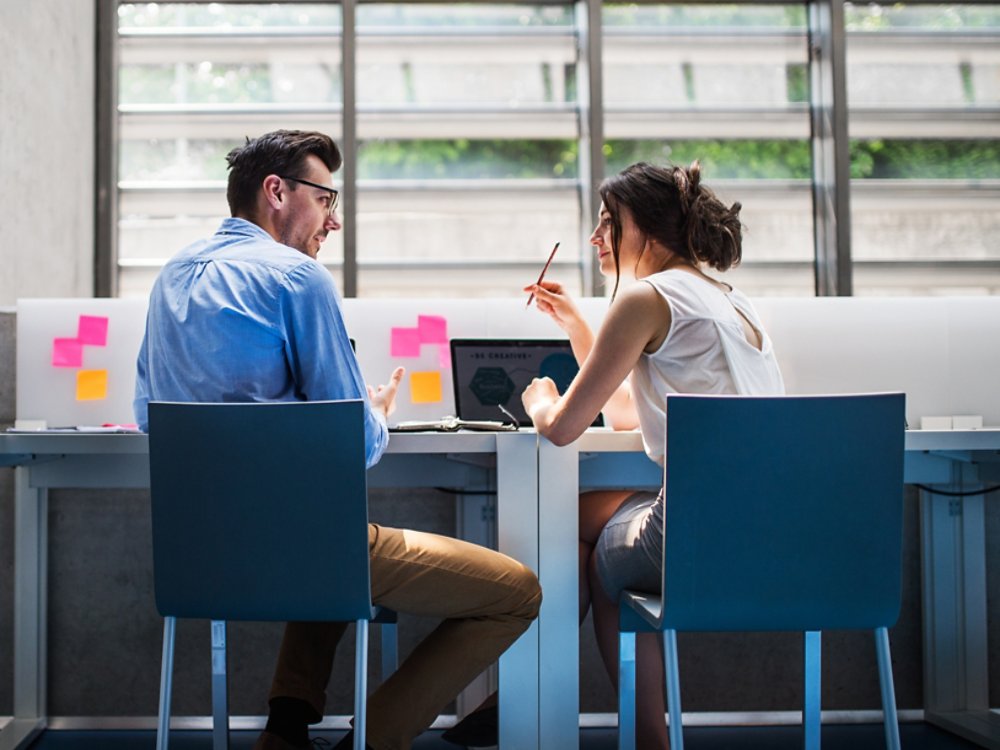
487 372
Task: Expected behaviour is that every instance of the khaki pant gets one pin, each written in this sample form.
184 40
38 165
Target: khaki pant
486 600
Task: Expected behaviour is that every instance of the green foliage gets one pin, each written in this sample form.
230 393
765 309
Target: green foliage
743 159
227 15
925 159
883 17
204 83
705 15
466 159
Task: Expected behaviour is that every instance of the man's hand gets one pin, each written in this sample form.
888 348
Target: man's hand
384 397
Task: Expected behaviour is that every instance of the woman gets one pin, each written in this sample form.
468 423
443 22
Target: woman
678 331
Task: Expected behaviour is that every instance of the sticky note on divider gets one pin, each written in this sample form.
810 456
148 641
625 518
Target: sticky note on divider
425 387
404 342
433 329
93 330
91 385
67 353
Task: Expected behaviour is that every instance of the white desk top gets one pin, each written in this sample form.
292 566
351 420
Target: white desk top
598 440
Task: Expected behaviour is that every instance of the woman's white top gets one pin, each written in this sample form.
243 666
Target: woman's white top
705 351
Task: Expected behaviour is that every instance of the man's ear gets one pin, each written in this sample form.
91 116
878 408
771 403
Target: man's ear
273 190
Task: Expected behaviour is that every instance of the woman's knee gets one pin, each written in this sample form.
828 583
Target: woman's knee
595 510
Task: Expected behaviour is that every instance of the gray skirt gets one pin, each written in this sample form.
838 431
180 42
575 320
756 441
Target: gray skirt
629 548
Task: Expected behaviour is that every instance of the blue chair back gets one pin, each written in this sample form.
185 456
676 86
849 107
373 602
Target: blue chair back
820 478
260 510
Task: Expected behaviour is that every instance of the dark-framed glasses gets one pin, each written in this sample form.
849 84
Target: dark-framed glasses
334 194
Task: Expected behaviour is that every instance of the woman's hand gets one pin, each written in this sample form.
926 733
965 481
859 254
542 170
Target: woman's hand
540 394
552 299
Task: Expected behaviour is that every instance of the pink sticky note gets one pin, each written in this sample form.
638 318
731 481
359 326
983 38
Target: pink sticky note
67 353
405 342
433 329
93 330
444 356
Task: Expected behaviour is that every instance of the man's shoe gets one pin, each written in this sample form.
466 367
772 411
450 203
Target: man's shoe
271 741
478 729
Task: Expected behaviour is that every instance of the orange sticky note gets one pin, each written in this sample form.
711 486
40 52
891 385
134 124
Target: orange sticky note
425 387
91 385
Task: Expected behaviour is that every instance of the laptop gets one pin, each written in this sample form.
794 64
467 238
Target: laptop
489 373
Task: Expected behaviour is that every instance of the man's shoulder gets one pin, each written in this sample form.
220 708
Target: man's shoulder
251 250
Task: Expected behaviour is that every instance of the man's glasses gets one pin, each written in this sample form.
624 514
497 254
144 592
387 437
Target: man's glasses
334 194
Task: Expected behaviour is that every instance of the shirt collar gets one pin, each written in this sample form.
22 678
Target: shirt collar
242 227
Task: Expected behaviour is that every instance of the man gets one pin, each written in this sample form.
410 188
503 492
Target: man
250 315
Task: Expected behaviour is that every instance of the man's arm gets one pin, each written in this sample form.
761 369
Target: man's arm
322 362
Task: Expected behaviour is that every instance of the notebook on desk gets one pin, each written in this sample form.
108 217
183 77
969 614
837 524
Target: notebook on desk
489 373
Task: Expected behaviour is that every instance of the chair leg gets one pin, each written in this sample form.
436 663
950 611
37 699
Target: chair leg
626 691
390 649
811 722
360 683
888 690
166 684
671 668
220 692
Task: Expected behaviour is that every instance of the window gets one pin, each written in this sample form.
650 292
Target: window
924 91
471 131
467 148
195 79
725 84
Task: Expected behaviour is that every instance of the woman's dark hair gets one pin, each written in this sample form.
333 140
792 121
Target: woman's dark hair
671 205
281 152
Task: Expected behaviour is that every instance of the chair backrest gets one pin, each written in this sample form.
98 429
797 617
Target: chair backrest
259 510
783 513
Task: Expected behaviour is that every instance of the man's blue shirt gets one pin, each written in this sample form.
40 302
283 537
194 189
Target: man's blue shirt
240 317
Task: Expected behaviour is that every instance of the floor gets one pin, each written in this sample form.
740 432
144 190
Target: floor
914 736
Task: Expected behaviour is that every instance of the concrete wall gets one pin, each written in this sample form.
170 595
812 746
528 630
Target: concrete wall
46 149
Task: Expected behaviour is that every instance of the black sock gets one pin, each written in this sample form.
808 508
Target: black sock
289 718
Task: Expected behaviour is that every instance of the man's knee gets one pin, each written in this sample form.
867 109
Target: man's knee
529 593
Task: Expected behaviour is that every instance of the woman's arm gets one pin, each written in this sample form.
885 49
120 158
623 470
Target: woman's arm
637 317
552 299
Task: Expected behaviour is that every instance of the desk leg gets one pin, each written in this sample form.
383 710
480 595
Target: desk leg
517 536
956 683
559 627
30 586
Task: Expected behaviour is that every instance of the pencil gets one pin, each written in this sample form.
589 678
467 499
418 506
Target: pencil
542 274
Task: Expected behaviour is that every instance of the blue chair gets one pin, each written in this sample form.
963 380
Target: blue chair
782 513
260 512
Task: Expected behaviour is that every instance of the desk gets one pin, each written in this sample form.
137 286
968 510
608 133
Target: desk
539 674
471 460
953 551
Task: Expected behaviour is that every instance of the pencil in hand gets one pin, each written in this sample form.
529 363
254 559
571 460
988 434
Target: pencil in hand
541 276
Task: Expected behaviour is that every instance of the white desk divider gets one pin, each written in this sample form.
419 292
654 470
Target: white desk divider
943 352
